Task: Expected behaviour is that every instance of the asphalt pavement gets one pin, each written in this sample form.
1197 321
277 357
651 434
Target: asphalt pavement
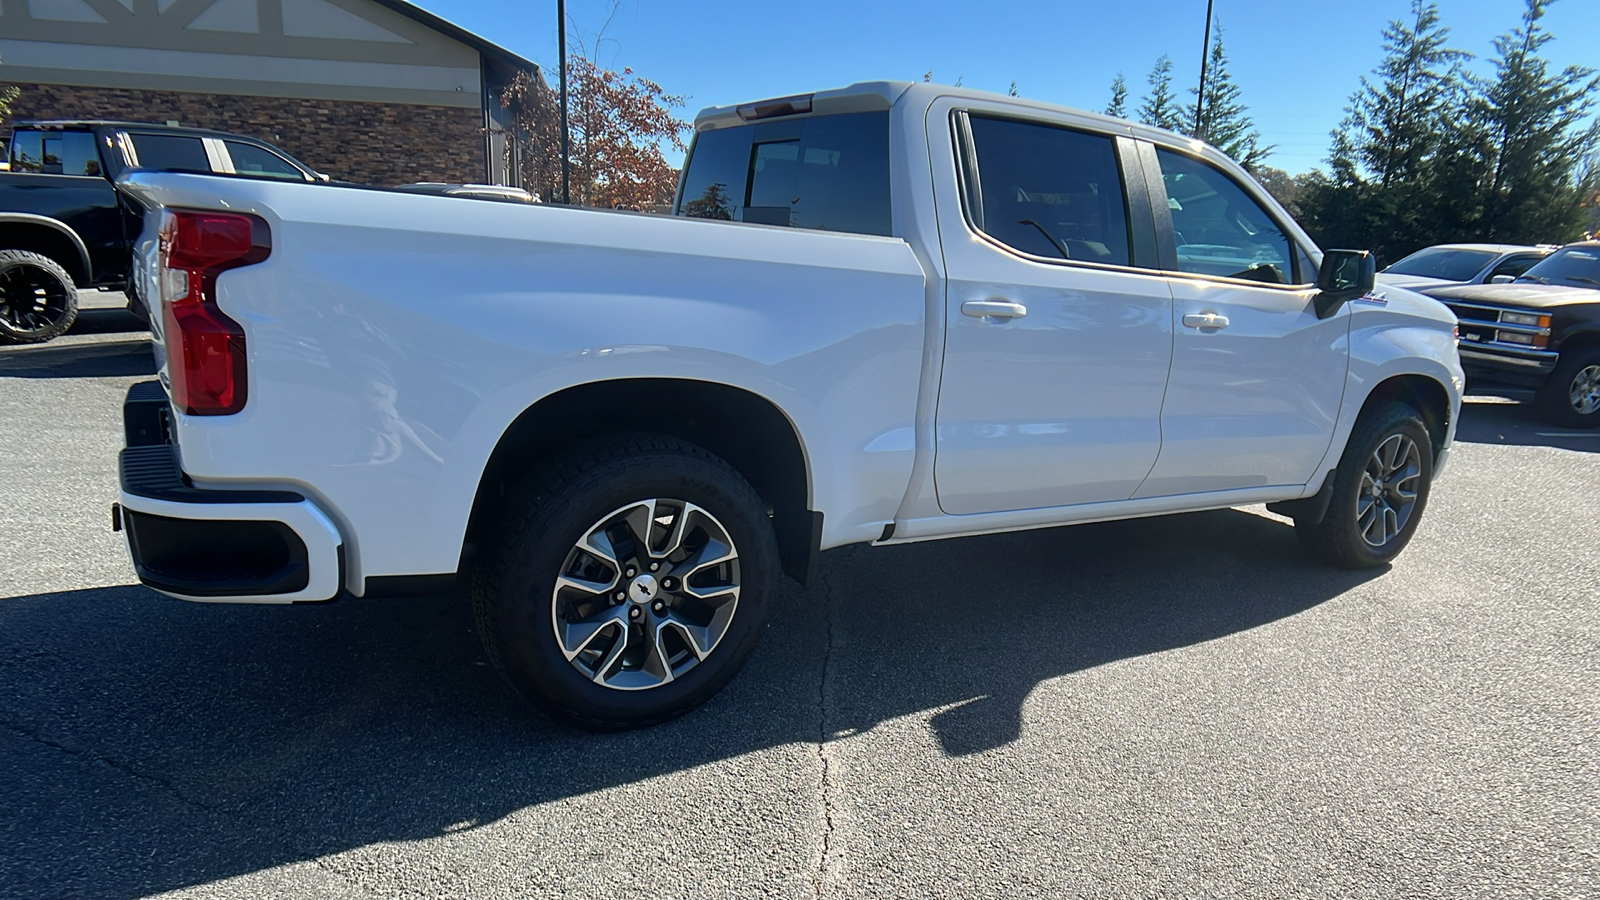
1183 707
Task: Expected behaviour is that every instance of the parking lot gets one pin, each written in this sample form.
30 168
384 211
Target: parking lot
1183 706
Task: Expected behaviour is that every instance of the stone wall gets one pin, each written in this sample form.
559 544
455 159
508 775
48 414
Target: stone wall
370 143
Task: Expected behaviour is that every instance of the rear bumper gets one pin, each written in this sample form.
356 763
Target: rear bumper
220 546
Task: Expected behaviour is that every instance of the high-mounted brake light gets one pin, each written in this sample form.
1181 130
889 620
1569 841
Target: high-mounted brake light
205 348
783 106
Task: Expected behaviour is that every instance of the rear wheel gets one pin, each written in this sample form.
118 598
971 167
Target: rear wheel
38 300
630 582
1379 491
1570 397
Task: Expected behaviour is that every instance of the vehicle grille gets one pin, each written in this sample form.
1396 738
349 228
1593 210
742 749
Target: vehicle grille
1481 324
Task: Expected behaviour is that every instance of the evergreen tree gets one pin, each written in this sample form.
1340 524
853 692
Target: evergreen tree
1118 107
1160 107
1218 117
1535 130
1012 91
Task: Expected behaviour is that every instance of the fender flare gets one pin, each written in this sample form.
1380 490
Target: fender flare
57 225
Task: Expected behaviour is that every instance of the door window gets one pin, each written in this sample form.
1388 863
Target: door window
259 162
173 152
1049 192
1514 266
1220 229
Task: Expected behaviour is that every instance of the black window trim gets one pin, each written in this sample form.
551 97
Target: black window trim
967 183
1166 235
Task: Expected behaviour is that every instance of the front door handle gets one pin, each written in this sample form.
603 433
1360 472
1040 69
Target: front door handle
999 309
1205 321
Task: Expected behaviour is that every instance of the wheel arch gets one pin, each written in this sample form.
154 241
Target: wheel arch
748 431
47 237
1423 393
1583 337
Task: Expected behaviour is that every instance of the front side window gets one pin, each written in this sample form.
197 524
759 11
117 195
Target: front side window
172 152
259 162
1220 229
830 173
1514 265
1049 192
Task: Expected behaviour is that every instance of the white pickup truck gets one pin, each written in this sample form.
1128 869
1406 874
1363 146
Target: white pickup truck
892 312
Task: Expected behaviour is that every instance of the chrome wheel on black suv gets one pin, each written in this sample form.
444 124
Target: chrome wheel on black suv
628 583
1571 395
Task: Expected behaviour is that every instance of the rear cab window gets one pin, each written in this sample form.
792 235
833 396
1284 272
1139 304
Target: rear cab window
826 172
55 152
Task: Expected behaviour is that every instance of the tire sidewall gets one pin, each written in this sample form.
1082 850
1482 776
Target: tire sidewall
12 259
1556 395
532 658
1395 420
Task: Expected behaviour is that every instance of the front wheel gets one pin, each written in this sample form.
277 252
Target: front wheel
38 300
1379 491
1570 397
630 582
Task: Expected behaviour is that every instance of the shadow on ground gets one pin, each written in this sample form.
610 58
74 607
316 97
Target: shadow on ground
79 360
1519 424
147 744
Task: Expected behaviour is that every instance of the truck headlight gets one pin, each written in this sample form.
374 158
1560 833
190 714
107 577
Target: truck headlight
1516 318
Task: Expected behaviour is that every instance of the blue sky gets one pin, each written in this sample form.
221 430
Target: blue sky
1297 62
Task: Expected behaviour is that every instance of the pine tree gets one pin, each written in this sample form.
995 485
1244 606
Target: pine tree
1118 107
1012 91
1218 117
1394 127
1536 135
1160 107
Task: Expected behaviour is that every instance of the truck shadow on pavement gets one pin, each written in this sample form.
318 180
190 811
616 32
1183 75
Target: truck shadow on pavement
63 360
148 744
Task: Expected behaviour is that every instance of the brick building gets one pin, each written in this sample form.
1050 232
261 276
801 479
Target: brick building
374 91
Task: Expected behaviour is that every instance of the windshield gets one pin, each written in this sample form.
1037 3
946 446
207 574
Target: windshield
1449 264
1576 266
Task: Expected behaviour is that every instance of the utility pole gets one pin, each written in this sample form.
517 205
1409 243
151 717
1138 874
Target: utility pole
566 150
1205 56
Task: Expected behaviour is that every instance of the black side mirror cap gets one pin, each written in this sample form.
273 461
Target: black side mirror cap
1344 276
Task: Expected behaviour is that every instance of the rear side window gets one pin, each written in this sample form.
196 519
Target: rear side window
27 152
829 173
170 151
1049 192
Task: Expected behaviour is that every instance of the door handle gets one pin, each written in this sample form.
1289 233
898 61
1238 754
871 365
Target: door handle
999 309
1205 320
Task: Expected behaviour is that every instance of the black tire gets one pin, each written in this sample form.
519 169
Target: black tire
38 300
1570 397
519 607
1349 536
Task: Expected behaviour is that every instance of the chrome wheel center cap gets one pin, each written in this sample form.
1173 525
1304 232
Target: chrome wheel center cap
644 589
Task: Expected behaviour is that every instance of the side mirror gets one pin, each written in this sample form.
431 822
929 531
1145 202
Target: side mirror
322 177
1502 279
1344 276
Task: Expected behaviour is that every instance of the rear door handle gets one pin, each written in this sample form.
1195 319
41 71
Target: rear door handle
1205 320
999 309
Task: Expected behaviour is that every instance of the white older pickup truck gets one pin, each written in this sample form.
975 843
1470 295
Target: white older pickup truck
892 312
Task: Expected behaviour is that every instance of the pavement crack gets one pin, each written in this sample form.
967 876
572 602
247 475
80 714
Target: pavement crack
826 788
123 768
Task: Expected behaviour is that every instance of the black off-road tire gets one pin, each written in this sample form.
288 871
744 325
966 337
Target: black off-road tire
541 521
1555 400
1341 539
38 300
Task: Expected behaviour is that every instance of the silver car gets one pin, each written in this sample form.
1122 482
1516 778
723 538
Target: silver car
1444 264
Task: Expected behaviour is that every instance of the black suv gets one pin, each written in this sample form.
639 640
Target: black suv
64 225
1540 332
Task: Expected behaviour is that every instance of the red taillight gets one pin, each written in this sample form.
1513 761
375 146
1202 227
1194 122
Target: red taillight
205 348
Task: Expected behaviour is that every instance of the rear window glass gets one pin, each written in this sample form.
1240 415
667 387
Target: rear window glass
170 151
829 173
1446 263
1049 192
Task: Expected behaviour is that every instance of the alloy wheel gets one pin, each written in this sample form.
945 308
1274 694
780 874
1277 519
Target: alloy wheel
31 299
1584 392
1388 494
646 594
